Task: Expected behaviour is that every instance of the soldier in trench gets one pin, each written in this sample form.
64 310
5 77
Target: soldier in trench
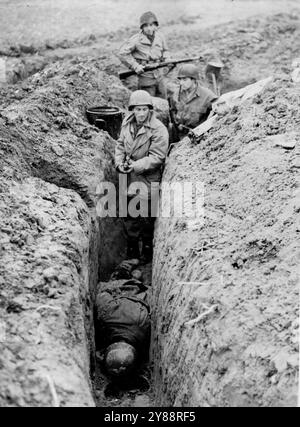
123 322
140 154
190 103
147 48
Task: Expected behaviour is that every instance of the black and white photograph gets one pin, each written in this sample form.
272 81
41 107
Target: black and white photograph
149 206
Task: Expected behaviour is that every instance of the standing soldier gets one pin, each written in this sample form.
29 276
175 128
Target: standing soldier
191 103
140 153
147 48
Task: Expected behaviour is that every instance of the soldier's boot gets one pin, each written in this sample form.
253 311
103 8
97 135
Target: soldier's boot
133 250
147 251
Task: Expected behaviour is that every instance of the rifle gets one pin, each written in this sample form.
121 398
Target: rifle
173 128
172 62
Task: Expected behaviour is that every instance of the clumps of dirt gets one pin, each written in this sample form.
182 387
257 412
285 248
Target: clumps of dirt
44 292
18 50
225 289
73 68
51 241
250 49
20 69
50 122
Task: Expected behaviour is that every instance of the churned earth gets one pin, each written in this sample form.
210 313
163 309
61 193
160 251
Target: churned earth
54 250
225 285
52 242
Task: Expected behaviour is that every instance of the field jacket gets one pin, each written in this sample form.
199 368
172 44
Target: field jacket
139 50
123 314
148 149
192 109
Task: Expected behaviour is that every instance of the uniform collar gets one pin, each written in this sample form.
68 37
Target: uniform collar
148 124
142 135
194 94
145 39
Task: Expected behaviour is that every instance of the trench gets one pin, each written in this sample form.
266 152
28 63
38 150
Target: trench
139 391
106 251
103 259
136 390
183 370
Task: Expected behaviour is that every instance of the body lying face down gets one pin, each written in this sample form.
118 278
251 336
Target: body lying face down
123 323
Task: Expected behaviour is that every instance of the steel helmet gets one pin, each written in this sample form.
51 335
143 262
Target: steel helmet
140 97
188 70
215 62
148 18
120 359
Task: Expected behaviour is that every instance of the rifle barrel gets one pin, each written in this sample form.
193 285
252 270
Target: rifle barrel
128 73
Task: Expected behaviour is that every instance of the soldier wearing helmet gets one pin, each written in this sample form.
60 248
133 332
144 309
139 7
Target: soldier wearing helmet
123 323
145 48
120 359
140 154
191 103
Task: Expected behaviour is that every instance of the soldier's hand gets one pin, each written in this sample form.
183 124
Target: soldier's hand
125 169
139 69
121 169
183 128
129 169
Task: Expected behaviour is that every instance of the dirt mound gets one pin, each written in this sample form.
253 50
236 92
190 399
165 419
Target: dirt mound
226 295
51 129
251 49
51 241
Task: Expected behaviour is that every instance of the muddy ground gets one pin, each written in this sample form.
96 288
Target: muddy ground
54 250
52 243
238 268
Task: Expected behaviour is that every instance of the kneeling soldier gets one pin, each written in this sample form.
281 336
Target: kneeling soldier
191 103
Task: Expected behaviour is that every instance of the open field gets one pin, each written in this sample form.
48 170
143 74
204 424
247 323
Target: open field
37 21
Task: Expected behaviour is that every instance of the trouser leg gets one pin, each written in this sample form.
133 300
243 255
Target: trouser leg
133 232
142 228
161 88
173 134
133 228
150 89
148 232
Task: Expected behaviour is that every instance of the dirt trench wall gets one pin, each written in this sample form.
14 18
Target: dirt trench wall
238 269
45 278
51 241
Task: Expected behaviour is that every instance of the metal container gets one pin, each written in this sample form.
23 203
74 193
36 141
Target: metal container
106 118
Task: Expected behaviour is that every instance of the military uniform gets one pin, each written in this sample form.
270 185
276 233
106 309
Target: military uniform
191 108
140 50
123 314
147 147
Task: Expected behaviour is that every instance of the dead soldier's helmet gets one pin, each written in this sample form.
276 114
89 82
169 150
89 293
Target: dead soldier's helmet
120 359
188 70
148 18
139 98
